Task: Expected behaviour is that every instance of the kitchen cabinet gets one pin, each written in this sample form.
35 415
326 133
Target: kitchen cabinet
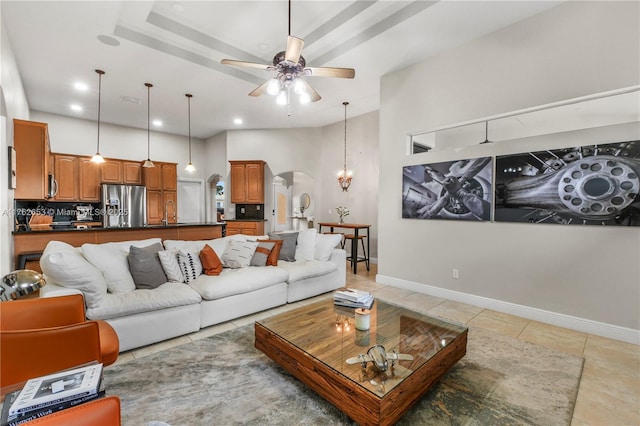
34 177
245 228
162 185
111 171
247 182
88 179
66 172
132 173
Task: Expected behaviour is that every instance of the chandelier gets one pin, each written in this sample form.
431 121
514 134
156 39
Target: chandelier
344 175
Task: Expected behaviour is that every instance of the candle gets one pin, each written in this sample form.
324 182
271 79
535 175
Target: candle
362 319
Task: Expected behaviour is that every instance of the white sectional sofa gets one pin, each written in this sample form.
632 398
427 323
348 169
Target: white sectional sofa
144 316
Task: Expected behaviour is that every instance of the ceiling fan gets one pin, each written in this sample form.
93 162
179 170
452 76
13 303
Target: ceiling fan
291 66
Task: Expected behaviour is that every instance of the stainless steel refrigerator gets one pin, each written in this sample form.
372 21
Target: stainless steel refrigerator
124 206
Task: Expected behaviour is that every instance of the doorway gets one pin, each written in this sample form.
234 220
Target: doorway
190 200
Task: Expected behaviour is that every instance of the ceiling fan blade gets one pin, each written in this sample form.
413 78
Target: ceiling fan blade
260 89
330 72
294 49
246 64
315 96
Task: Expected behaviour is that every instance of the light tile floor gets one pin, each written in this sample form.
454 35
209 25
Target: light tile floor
609 393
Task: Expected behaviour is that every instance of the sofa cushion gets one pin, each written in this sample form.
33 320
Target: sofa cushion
169 262
238 254
145 267
211 263
301 270
261 255
64 265
272 260
238 281
288 250
217 244
168 295
325 243
190 265
111 260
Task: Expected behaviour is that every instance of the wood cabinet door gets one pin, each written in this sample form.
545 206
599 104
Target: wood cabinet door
154 207
238 184
172 208
66 172
233 228
152 178
132 172
255 183
169 176
89 179
111 171
30 140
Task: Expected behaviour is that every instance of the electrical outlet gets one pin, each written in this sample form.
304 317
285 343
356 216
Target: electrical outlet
329 211
455 274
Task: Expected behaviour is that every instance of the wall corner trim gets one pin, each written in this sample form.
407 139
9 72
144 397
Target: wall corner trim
584 325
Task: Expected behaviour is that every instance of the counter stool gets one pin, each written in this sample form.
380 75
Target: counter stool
365 256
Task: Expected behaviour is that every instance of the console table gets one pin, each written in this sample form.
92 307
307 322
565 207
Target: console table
356 227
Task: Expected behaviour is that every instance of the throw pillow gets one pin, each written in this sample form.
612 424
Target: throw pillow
145 266
325 243
261 255
190 265
288 250
238 254
272 259
169 262
210 261
305 245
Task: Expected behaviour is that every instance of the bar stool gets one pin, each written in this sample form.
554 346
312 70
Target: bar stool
365 257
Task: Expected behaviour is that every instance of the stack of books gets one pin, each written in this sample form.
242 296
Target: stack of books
353 298
55 392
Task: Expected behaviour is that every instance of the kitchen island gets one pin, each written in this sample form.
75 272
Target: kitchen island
27 245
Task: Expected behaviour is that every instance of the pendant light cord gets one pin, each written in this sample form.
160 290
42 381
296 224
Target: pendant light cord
189 110
345 135
149 86
289 17
99 103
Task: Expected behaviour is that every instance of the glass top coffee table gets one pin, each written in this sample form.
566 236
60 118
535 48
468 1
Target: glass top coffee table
314 342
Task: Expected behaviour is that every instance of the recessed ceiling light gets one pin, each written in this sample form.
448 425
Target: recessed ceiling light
81 86
178 7
157 123
76 107
237 121
263 46
108 40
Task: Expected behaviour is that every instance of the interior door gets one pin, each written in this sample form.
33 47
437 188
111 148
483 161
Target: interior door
282 207
190 200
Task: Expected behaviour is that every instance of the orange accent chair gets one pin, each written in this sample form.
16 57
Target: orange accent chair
45 335
103 412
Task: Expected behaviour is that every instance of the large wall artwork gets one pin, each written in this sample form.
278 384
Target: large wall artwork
586 185
459 190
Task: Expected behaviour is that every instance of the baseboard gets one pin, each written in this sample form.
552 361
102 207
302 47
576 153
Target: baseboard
611 331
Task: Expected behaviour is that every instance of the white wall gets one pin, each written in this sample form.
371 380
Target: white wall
70 135
584 277
14 104
215 163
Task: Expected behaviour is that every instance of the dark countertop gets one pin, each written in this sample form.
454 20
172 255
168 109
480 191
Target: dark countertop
245 220
74 229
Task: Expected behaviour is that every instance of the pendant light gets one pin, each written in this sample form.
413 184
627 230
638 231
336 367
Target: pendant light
98 158
344 175
189 167
148 163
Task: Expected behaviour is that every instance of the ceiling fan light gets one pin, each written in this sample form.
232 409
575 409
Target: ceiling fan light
299 86
274 87
282 98
305 98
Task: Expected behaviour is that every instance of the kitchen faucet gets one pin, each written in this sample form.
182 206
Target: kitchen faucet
166 212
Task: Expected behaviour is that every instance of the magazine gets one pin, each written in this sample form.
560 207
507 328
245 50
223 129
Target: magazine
351 294
366 303
57 388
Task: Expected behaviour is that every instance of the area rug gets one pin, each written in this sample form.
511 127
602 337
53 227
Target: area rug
224 380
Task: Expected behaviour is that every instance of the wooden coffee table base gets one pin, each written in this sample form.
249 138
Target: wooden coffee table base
358 403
